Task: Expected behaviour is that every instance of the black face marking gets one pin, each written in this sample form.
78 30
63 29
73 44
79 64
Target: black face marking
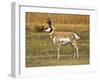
45 28
51 30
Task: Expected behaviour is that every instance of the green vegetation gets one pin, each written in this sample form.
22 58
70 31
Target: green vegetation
40 50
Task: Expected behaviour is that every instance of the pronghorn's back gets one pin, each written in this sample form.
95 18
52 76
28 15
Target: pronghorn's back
71 35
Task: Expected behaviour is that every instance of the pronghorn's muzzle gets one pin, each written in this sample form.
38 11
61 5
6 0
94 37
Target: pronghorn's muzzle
47 29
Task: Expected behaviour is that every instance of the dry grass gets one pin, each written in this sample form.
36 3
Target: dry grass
40 50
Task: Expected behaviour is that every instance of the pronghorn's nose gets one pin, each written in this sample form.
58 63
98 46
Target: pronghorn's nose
45 29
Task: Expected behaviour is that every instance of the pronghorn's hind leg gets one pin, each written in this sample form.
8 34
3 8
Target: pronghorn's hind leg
76 53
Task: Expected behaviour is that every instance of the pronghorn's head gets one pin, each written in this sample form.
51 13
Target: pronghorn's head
50 29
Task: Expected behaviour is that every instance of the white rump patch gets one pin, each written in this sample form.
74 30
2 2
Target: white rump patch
76 36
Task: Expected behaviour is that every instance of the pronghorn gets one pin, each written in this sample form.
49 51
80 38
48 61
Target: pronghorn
61 38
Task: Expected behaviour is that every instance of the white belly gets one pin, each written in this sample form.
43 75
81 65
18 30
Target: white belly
63 40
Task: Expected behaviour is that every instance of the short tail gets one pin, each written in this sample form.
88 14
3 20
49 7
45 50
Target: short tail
76 36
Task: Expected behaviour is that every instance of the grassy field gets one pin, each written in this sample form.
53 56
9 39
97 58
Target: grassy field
40 50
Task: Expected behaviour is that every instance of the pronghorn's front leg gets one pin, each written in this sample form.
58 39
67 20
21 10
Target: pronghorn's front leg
58 56
58 52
